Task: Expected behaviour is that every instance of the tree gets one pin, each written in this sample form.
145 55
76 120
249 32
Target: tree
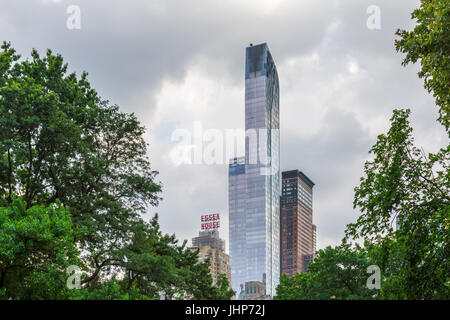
199 284
223 290
109 290
301 286
151 261
404 194
61 147
429 43
60 140
405 208
157 265
336 273
154 265
36 247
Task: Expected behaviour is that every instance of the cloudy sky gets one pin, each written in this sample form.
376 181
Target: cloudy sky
176 62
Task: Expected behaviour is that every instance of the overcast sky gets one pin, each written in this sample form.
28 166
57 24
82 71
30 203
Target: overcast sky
176 62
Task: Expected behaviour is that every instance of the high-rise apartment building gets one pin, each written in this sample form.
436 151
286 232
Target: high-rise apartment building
297 240
209 238
255 181
314 235
211 247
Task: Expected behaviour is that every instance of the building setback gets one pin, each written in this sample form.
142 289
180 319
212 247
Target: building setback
255 181
297 235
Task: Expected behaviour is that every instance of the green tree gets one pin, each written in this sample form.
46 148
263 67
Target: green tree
108 290
404 194
336 273
155 264
405 208
59 140
61 143
429 43
151 261
300 286
195 281
36 247
223 290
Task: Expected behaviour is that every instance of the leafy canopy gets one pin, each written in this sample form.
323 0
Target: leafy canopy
404 195
404 199
336 273
429 44
61 147
36 247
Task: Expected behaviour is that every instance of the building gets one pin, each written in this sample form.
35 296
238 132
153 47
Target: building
296 222
209 238
307 259
255 290
211 247
255 181
314 235
237 198
219 262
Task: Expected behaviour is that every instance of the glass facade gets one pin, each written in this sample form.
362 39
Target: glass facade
254 181
236 208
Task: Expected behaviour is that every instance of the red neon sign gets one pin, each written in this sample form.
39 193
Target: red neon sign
210 221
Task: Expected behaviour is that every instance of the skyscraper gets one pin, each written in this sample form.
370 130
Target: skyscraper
237 199
209 245
297 237
212 247
314 236
254 181
209 238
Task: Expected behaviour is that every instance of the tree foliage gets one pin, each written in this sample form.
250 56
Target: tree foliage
223 290
404 195
429 43
59 140
109 290
336 273
36 247
72 157
404 199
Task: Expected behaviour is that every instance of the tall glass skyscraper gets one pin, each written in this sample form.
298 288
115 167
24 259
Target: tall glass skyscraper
254 181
